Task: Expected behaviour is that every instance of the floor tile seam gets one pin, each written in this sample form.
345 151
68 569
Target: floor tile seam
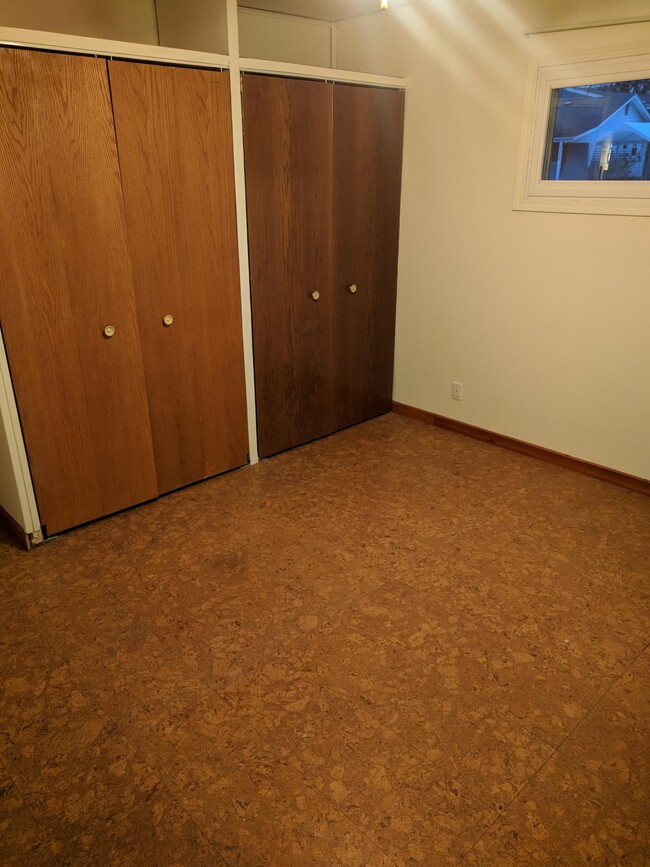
602 697
529 729
497 818
589 528
448 537
464 786
501 818
515 641
160 634
130 732
476 795
585 566
140 755
555 754
540 646
8 766
75 684
116 599
53 648
232 704
135 736
424 758
98 712
36 593
504 814
206 841
328 798
368 791
593 621
522 643
121 607
195 816
512 720
631 588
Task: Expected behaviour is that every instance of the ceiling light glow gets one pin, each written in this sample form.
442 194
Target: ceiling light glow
384 4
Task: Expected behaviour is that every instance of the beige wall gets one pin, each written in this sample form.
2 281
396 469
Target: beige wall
198 26
544 318
128 20
285 38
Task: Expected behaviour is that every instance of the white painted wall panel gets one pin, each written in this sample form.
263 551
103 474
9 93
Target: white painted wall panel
197 26
285 38
128 20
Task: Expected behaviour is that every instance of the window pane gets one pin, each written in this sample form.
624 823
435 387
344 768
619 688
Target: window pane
599 132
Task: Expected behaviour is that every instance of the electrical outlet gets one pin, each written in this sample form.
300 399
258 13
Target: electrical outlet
457 390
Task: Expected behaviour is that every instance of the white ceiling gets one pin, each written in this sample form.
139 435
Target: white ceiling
326 10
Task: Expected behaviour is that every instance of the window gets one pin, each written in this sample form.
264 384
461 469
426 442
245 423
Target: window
586 138
591 128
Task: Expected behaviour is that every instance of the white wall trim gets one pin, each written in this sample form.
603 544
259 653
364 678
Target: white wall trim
274 16
29 518
612 22
242 226
14 37
532 192
324 73
326 28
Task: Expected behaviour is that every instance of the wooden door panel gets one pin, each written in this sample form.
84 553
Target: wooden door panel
288 155
175 144
368 129
66 275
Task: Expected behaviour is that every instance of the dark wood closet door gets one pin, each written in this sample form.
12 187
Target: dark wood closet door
368 125
65 276
288 153
175 146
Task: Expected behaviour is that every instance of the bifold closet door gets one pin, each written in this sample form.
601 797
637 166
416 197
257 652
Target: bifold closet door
174 139
368 132
288 154
66 295
323 173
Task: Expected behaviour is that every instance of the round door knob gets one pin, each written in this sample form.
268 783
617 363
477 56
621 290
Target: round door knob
109 331
352 287
315 295
167 320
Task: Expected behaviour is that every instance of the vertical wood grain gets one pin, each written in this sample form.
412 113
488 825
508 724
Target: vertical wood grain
288 157
174 139
65 275
368 129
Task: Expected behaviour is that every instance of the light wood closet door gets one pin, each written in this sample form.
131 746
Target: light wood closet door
288 153
65 276
175 146
368 130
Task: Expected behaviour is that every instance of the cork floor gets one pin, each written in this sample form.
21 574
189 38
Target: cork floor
393 646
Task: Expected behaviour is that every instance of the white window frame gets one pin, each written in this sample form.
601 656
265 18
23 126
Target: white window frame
578 197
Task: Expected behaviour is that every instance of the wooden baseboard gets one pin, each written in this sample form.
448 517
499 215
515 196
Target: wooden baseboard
623 480
15 529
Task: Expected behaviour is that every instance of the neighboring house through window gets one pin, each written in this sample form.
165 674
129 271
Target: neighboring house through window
600 132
